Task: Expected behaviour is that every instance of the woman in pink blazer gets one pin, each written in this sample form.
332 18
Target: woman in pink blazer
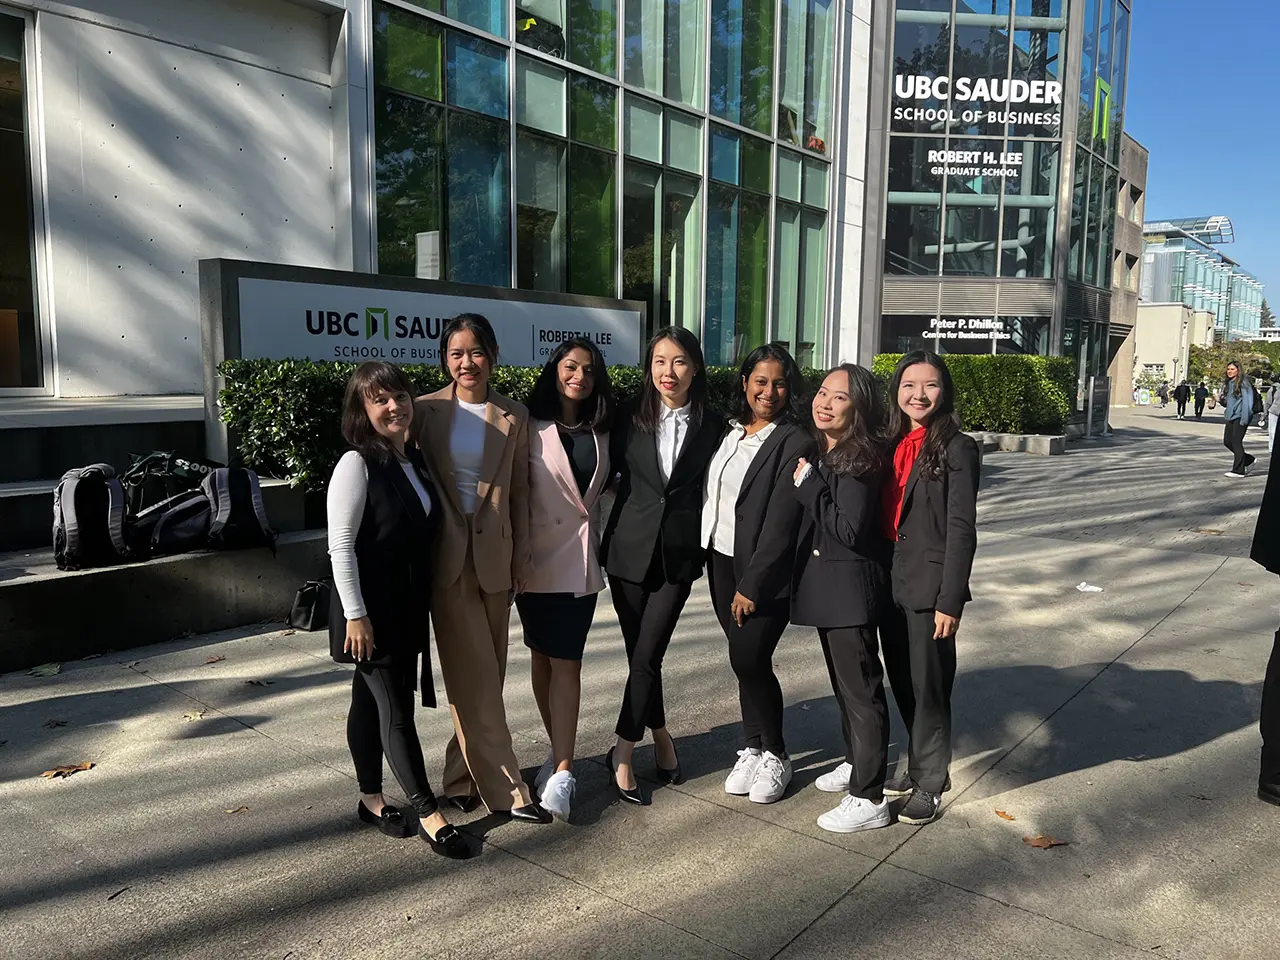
569 410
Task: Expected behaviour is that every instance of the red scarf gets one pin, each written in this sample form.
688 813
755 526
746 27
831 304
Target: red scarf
894 491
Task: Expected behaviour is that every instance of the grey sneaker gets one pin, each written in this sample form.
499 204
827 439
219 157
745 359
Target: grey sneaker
903 786
922 808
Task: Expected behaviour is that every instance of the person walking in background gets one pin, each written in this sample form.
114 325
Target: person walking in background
476 443
1202 394
841 586
1238 400
1181 394
383 514
1163 393
661 447
749 520
1273 414
570 412
928 510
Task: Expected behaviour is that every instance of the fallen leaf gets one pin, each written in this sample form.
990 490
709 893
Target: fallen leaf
1197 796
117 893
259 683
54 724
1207 532
1041 842
193 715
1137 758
68 771
287 633
45 670
218 659
1005 816
237 810
1243 584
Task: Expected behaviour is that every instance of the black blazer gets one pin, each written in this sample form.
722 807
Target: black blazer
768 516
937 533
394 547
1266 534
841 576
652 519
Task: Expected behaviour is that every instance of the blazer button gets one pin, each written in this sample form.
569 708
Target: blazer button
816 553
662 499
901 537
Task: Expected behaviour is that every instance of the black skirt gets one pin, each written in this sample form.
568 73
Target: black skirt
556 624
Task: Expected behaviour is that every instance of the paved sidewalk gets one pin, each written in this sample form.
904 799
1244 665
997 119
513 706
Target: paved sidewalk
1123 722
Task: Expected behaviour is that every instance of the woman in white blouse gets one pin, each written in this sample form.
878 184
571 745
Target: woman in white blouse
749 520
382 520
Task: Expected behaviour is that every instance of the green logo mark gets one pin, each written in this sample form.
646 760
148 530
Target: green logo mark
372 317
1101 107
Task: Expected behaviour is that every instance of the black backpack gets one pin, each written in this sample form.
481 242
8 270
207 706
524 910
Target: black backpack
159 476
88 518
238 518
1257 406
175 525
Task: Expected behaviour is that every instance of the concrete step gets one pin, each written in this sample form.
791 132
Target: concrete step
53 615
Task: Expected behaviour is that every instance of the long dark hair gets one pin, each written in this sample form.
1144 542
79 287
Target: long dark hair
1237 380
370 377
596 411
649 408
944 421
478 325
790 372
860 451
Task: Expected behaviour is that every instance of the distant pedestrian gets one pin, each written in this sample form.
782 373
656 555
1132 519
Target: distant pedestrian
1202 394
1181 394
1163 393
1273 414
1266 551
1238 409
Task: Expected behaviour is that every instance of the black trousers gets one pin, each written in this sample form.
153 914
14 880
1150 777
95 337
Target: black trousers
1199 407
1233 440
647 613
379 722
1270 720
1182 408
751 648
853 663
922 672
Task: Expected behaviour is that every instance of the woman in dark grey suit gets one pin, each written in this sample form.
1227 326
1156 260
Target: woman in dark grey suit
841 585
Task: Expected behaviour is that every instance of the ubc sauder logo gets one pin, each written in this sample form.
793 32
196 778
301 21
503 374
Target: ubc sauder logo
378 323
373 318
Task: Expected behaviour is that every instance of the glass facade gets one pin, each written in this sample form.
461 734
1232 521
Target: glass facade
678 155
20 363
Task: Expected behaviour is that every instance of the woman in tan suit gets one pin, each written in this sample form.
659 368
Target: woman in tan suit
476 443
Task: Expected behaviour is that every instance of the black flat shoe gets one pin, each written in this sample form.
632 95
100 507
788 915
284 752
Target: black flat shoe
626 796
1269 793
465 804
391 821
531 813
672 775
448 842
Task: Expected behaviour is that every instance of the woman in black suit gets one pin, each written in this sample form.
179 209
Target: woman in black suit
841 586
661 448
749 520
383 513
928 511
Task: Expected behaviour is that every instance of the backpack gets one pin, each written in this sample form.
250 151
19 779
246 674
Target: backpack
238 517
159 476
1257 405
175 525
88 518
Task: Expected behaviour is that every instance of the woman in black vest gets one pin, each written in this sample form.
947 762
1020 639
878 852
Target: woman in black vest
382 517
661 447
749 520
841 585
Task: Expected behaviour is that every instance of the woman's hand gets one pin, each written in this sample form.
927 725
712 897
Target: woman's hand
359 641
800 469
741 608
944 625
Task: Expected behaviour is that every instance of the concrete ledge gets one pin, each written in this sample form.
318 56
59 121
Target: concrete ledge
47 614
1043 445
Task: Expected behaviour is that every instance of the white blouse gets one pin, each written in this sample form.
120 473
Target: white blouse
466 448
673 427
728 469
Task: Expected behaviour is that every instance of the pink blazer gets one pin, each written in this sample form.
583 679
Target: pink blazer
564 528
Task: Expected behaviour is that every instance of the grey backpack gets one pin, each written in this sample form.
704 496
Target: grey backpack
237 516
88 518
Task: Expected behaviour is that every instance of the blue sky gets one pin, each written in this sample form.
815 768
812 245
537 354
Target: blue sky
1202 99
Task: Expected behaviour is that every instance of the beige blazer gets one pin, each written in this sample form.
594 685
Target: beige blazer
564 526
499 533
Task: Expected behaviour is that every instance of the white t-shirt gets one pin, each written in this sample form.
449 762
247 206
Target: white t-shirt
673 427
728 469
466 448
348 490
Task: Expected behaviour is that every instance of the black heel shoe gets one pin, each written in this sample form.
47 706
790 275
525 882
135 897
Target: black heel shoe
626 796
464 804
390 822
531 813
448 842
673 775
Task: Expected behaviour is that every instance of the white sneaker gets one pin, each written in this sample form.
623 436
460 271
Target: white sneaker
558 794
855 814
1233 475
835 781
738 783
772 777
544 772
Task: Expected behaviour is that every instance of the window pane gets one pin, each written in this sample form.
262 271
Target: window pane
1038 8
643 43
479 229
1037 57
1081 180
488 15
972 217
1026 249
540 25
406 52
681 290
541 214
593 208
981 53
642 122
592 112
756 156
641 223
911 239
789 175
742 62
905 334
919 50
593 35
684 141
540 95
737 269
408 149
1119 69
813 275
1028 335
477 75
1106 226
20 362
1093 223
806 72
683 51
815 183
724 155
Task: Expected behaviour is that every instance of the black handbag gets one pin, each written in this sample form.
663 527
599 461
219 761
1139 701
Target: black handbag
311 606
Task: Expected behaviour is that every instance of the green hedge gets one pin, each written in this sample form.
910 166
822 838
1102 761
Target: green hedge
284 414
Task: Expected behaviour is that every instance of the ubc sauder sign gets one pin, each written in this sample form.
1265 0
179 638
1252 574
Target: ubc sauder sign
982 100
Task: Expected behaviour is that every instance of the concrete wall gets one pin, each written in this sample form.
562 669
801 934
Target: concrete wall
850 191
175 131
1163 335
1126 277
